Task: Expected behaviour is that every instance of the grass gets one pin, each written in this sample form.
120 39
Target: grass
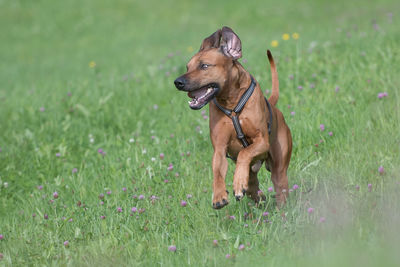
87 105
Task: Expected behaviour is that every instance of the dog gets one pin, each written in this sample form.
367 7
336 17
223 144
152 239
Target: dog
215 76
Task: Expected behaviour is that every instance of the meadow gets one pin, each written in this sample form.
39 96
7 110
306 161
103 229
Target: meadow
103 163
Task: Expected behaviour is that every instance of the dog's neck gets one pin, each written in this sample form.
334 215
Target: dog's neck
239 80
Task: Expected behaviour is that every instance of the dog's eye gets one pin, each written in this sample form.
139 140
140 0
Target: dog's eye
204 66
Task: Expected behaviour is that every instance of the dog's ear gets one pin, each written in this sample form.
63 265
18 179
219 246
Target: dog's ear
231 45
212 41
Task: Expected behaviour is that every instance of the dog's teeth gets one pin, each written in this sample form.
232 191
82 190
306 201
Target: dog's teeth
209 90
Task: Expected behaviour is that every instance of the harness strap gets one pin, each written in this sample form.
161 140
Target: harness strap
239 107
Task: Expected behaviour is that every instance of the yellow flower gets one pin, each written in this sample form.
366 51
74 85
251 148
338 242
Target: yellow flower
92 64
295 36
285 36
190 49
274 43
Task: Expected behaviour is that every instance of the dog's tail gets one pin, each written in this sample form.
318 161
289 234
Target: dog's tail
273 99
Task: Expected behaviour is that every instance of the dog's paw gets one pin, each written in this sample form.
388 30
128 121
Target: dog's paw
220 200
239 190
219 205
239 195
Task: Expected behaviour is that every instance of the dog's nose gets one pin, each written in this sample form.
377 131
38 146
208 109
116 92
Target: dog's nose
180 83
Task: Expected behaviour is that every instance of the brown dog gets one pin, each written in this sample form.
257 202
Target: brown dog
215 73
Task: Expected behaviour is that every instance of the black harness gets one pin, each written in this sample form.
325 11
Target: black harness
239 107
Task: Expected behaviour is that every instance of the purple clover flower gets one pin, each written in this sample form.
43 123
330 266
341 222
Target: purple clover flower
322 127
295 187
170 167
310 210
270 189
183 203
66 243
381 170
172 248
74 170
119 209
55 195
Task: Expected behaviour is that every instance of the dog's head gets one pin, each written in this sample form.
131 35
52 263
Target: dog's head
210 69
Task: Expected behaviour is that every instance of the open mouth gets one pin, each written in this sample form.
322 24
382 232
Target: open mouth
202 96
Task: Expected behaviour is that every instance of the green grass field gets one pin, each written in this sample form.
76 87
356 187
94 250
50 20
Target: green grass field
103 163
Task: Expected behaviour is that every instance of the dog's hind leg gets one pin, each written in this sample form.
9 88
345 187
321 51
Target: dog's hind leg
254 191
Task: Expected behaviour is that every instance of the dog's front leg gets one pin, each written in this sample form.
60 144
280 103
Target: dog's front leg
220 167
246 155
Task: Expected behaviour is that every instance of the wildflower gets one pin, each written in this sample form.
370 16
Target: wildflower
322 219
141 197
291 76
40 187
74 170
162 156
58 155
119 209
312 85
42 109
285 36
102 217
241 247
300 87
70 220
337 89
153 159
188 196
172 248
330 133
124 189
101 196
170 167
246 225
141 210
109 192
33 215
155 106
55 195
310 210
270 189
357 187
66 243
92 64
45 216
381 169
295 186
292 113
274 43
134 209
215 242
131 140
295 36
232 217
1 237
322 127
227 256
265 214
183 203
369 187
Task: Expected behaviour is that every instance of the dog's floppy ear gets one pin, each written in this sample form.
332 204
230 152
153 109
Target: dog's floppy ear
212 41
231 45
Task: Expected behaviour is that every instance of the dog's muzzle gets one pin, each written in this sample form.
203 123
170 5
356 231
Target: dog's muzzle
200 96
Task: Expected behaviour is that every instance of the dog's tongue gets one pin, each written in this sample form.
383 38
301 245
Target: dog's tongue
198 93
